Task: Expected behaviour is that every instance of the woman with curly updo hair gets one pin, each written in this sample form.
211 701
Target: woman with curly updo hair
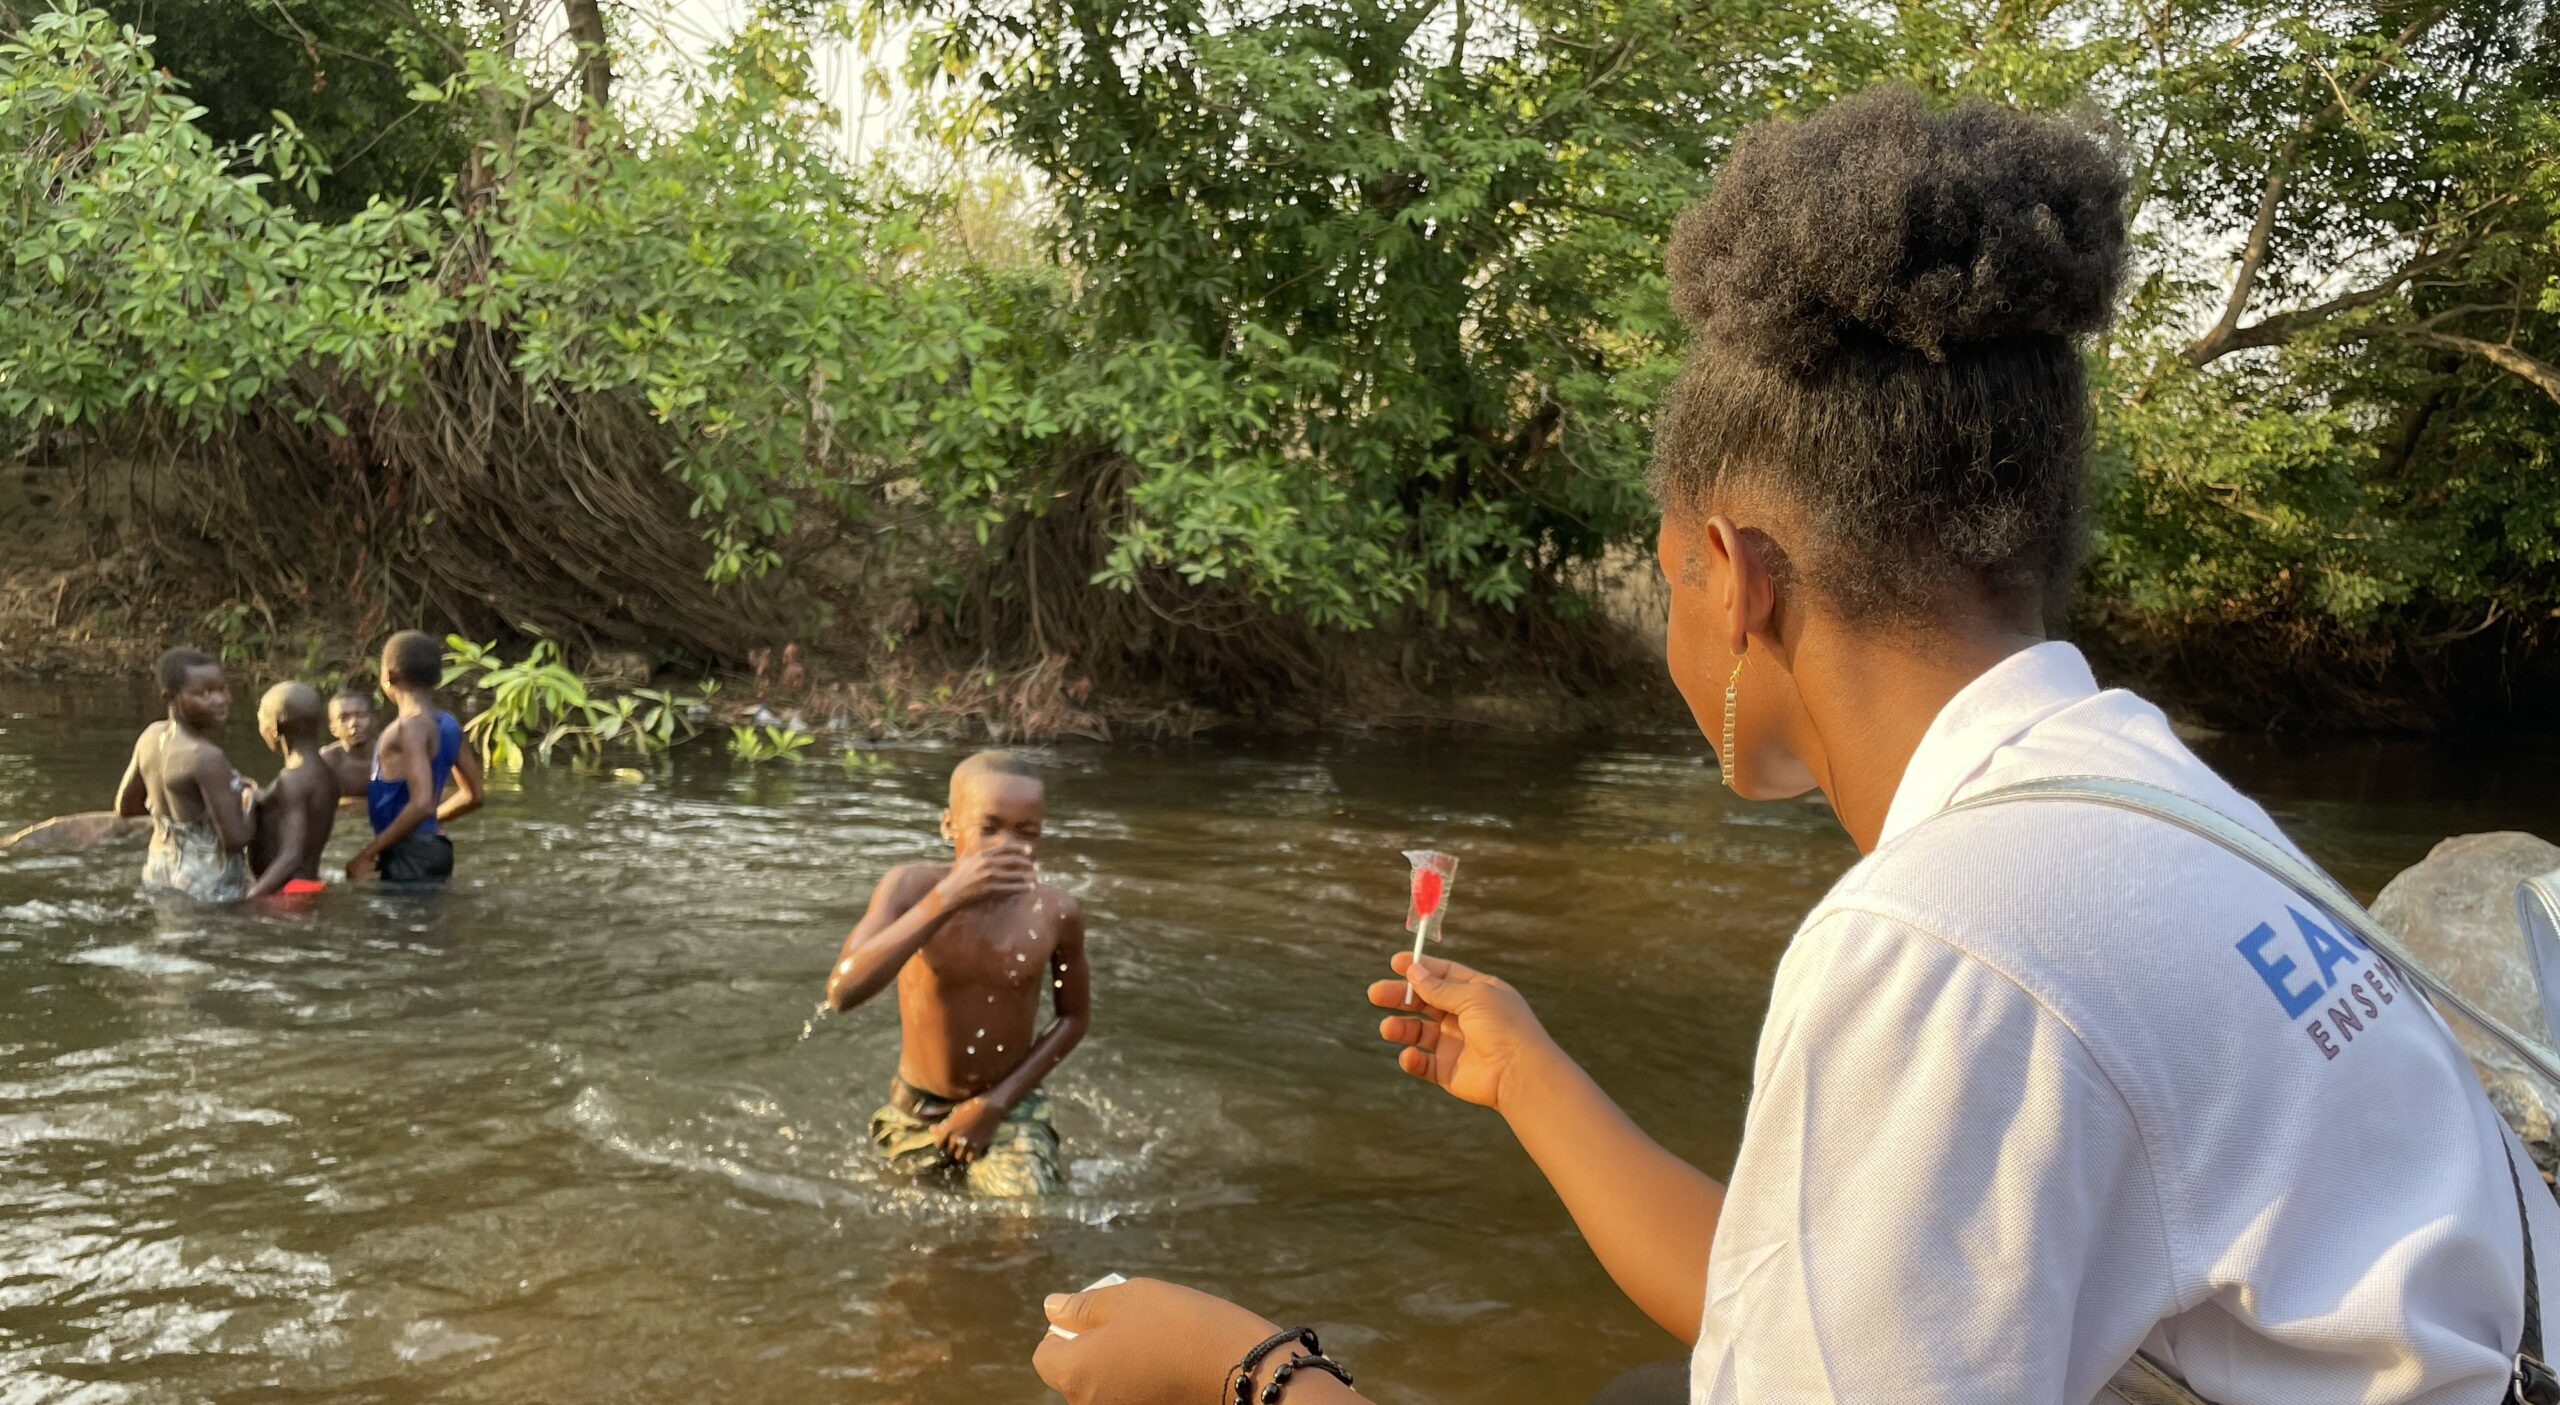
2062 1096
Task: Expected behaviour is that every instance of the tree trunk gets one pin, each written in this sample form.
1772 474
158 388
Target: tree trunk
595 63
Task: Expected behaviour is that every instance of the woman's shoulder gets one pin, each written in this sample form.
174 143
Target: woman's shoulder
2061 876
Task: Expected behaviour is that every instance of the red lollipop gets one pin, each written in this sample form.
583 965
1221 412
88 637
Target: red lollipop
1428 885
1432 873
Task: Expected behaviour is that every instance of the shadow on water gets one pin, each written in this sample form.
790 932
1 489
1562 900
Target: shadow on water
568 1132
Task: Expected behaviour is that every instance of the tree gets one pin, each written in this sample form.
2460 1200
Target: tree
339 70
1416 246
2335 442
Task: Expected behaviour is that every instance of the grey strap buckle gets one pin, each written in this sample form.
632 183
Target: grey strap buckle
2533 1384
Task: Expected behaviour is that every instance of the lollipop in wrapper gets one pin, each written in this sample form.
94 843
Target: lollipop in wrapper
1433 873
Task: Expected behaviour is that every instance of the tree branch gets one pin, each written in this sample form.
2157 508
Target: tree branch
2253 252
2506 358
2283 327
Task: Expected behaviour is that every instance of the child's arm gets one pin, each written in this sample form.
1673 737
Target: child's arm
132 796
468 792
966 1133
291 831
221 803
901 919
411 760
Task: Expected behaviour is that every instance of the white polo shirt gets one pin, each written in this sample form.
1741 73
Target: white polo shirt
2047 1082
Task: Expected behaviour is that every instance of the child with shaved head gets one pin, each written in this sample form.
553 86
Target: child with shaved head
294 812
971 944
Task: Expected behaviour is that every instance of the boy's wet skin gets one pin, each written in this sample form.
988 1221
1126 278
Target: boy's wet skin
296 810
350 757
176 765
973 946
969 1002
181 779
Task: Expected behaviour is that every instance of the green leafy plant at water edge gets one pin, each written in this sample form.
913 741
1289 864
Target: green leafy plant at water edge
537 703
757 745
239 631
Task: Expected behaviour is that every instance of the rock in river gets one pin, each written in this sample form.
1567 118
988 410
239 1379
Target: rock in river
2456 910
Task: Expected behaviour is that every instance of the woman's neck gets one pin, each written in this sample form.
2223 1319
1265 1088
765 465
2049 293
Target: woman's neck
1870 700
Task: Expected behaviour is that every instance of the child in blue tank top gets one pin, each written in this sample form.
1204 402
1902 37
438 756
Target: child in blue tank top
414 761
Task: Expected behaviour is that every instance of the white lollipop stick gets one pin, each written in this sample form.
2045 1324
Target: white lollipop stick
1426 930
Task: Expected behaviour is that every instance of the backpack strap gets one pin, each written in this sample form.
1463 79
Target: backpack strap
2142 1381
2280 863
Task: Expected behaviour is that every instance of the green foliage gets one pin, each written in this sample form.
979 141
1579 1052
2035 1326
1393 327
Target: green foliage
2348 442
339 71
1376 290
538 702
150 275
1411 253
764 309
1347 312
756 745
240 630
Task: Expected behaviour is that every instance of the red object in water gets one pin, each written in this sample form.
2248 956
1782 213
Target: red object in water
299 886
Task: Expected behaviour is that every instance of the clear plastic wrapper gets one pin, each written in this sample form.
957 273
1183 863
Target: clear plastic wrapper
1434 874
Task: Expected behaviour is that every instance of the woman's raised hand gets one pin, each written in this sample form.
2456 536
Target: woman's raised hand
1469 1033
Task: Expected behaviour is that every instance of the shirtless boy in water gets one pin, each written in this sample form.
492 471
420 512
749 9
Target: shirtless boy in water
180 778
972 944
350 757
295 811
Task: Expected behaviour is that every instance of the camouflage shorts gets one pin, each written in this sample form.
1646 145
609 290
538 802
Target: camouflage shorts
1021 1159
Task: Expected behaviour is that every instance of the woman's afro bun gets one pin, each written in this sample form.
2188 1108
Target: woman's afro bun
1878 222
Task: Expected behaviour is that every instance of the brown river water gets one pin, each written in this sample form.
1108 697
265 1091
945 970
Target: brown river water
556 1134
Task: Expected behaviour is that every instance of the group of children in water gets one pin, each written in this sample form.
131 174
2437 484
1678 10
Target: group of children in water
969 943
219 837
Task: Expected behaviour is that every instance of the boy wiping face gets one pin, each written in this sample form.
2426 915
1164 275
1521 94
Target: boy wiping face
972 945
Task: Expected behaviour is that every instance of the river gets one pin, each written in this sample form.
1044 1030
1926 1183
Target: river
568 1133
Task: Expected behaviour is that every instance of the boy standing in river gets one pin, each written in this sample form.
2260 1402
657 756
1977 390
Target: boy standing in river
417 755
181 779
971 944
296 810
350 757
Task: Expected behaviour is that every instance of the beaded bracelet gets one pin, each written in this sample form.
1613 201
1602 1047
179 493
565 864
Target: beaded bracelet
1239 1389
1318 1362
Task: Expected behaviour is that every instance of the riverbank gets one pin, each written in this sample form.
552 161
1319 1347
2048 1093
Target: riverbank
104 574
1473 678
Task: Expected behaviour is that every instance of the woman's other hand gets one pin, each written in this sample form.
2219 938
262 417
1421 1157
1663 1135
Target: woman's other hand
1146 1342
1470 1033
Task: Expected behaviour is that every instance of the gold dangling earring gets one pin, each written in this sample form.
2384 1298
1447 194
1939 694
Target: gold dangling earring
1732 690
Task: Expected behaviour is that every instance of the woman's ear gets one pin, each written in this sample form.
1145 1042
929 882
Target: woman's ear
949 835
1748 586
